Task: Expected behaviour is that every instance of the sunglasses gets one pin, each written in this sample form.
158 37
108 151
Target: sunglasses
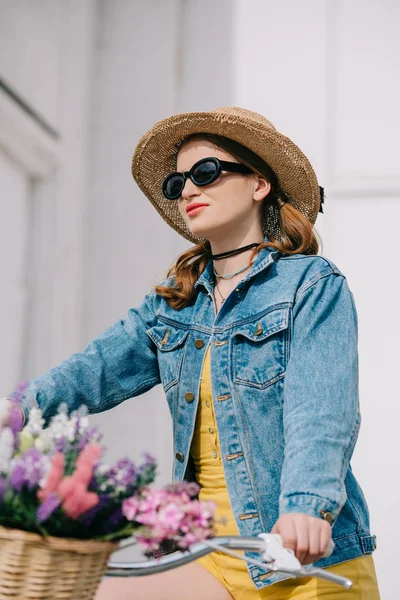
203 172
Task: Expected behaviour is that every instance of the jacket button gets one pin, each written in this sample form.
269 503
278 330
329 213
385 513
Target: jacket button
259 329
179 456
326 515
189 396
199 343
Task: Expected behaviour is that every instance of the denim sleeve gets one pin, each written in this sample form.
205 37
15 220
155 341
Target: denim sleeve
118 364
321 415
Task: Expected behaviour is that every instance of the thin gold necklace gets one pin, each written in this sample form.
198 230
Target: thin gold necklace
222 298
222 277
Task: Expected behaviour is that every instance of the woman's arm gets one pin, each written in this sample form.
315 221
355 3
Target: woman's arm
321 413
118 364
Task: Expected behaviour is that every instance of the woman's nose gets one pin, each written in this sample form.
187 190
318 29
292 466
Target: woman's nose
189 189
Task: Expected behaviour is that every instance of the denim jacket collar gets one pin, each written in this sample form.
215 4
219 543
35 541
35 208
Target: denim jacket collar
263 259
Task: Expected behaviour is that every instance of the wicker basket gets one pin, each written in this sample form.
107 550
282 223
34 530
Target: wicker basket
50 568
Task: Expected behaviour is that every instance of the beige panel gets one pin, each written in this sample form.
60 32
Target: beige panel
279 66
364 91
29 52
364 245
13 285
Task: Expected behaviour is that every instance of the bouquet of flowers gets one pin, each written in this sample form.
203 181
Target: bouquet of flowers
54 484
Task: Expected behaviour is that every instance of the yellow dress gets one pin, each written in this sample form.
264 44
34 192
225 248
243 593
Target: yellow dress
231 571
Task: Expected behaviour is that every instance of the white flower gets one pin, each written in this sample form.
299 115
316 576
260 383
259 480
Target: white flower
40 444
47 440
103 468
63 408
61 426
6 449
47 466
83 424
83 411
35 423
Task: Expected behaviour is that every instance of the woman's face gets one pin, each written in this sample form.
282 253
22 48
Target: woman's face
232 202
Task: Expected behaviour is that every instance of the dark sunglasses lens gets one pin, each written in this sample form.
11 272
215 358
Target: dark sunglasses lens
173 186
205 173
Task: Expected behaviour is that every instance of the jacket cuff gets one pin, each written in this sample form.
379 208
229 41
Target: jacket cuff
310 504
24 417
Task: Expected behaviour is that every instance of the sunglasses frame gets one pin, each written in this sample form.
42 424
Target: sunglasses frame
221 165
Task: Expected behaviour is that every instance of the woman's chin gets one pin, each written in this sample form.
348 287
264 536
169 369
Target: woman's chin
198 230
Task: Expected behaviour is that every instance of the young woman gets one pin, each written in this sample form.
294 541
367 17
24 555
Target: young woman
254 339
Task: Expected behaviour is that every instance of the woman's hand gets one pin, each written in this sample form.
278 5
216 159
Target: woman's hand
307 536
11 411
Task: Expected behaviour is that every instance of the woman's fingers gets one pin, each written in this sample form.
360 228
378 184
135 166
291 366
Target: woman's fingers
307 536
303 537
325 536
287 530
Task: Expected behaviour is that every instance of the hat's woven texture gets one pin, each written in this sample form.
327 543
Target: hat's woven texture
155 157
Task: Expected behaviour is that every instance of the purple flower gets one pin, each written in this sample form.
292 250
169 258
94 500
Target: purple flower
90 435
113 520
20 391
46 509
28 469
149 462
191 488
87 517
61 444
121 475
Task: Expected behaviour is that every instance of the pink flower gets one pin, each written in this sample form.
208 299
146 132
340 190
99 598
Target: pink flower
79 501
171 516
73 489
153 499
55 475
189 539
130 508
147 518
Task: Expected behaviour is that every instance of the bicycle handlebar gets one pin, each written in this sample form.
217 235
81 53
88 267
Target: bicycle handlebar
276 557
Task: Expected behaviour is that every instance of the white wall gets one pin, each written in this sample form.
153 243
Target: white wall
30 51
13 245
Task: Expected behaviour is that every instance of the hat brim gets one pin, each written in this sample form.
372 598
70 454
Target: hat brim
155 157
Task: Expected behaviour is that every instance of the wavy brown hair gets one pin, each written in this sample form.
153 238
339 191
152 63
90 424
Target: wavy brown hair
297 234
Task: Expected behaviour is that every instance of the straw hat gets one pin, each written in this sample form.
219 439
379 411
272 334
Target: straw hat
156 152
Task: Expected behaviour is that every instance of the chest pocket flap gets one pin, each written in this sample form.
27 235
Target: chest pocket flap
170 342
260 349
272 322
167 337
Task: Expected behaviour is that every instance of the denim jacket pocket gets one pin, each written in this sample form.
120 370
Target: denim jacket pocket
261 348
170 342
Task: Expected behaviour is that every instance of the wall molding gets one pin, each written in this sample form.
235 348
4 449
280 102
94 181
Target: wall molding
24 136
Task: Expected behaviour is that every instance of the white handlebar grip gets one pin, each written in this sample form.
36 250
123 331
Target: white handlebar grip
328 551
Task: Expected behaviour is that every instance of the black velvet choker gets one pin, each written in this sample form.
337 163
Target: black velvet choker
233 252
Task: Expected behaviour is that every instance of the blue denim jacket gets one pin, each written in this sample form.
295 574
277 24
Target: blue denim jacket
284 372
